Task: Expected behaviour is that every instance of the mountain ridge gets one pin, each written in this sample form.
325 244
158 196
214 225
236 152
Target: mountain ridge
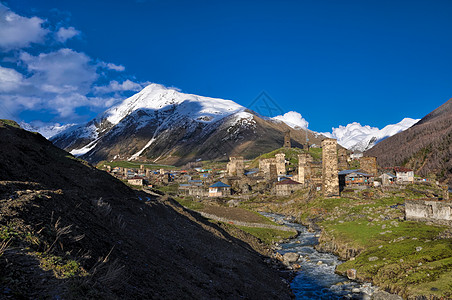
426 147
165 125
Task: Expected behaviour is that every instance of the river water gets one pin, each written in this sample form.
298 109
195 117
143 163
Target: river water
316 279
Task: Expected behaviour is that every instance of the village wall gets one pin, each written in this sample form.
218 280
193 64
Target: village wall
429 210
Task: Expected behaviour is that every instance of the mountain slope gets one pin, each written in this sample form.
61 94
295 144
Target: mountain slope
356 137
162 124
426 147
75 232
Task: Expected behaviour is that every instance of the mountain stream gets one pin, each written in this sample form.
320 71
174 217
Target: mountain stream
316 278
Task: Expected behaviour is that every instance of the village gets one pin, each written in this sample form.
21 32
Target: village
336 170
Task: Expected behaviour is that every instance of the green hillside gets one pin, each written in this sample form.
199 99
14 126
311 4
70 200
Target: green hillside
291 155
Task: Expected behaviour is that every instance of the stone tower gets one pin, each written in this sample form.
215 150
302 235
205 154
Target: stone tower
273 174
236 166
126 172
287 139
369 165
342 159
330 177
304 170
281 163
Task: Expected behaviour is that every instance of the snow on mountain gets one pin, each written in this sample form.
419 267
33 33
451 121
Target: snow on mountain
293 119
45 129
153 117
356 137
158 97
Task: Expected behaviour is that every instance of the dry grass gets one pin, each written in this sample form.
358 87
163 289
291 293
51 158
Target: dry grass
4 245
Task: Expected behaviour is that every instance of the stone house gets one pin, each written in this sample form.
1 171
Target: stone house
219 189
136 180
287 187
404 175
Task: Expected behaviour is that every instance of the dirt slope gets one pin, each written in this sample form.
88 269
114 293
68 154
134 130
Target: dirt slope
75 232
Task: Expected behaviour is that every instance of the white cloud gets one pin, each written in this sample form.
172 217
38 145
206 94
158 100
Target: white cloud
18 32
115 86
293 119
61 71
64 34
111 66
10 79
55 82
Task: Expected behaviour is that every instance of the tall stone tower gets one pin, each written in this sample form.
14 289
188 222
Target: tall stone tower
236 166
287 139
304 170
342 159
281 163
369 165
330 177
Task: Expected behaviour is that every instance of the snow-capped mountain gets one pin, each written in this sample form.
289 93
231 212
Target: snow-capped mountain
45 129
166 125
356 137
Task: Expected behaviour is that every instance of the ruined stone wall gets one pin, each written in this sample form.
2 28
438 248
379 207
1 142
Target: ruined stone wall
369 165
425 210
236 166
342 163
330 178
266 164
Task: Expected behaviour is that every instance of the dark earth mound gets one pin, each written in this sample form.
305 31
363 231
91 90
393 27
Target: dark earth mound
70 231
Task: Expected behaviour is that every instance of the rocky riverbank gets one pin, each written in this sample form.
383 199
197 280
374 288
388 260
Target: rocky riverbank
368 232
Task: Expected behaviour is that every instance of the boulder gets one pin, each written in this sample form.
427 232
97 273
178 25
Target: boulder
382 295
351 274
291 257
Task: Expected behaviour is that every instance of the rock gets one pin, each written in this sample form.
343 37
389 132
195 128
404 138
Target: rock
296 266
297 242
278 256
351 274
320 263
291 257
395 223
418 248
373 258
356 290
382 295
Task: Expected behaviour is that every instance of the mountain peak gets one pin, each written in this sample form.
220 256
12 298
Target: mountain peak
157 97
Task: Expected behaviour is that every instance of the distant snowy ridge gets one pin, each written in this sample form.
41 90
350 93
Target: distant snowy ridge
45 129
356 137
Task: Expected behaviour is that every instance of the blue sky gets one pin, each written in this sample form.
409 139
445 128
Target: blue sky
335 62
